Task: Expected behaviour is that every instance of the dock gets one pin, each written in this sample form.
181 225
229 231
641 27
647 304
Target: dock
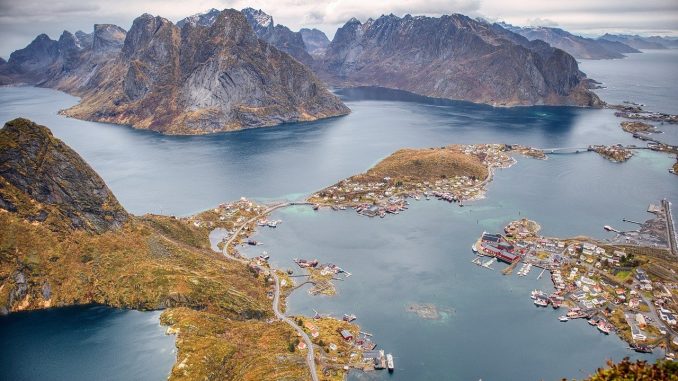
541 273
510 268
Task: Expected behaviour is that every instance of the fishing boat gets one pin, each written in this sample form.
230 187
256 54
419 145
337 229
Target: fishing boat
272 224
641 348
537 293
252 242
603 327
475 250
593 321
563 318
389 362
540 302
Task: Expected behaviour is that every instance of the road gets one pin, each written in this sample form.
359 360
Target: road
310 357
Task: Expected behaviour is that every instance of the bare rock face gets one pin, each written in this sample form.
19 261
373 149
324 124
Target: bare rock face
454 57
315 40
212 74
577 46
201 79
44 180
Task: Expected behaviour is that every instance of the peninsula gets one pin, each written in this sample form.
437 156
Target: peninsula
67 241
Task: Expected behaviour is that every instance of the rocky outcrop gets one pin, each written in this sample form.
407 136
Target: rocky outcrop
577 46
315 40
454 57
44 180
211 75
279 36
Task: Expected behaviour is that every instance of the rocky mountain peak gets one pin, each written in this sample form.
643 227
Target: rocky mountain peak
200 19
258 18
107 38
151 35
44 180
38 55
315 40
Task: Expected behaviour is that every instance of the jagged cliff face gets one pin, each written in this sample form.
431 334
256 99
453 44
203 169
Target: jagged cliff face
211 75
577 46
279 36
315 40
44 180
454 57
202 79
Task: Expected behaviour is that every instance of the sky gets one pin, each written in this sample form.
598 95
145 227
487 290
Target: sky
22 20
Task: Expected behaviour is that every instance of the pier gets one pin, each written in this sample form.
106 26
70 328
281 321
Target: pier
541 273
670 227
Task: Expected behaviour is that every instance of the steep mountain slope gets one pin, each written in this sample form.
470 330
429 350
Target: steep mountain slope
69 192
279 36
191 80
454 57
315 40
66 240
577 46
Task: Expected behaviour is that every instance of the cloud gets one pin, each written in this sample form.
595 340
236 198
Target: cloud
538 21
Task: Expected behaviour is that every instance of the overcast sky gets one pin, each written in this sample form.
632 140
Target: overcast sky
22 20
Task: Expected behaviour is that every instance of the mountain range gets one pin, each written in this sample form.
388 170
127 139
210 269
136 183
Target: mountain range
577 46
227 70
454 57
190 80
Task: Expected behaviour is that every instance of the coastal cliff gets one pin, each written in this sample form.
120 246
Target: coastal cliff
454 57
196 79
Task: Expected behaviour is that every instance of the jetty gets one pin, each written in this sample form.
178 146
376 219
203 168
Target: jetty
541 273
508 270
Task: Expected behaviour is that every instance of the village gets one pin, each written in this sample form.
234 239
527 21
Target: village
615 286
387 187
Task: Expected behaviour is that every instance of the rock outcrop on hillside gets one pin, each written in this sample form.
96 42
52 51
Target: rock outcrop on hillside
44 180
211 75
454 57
315 40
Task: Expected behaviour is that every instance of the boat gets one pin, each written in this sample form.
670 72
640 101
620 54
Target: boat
349 318
593 322
563 318
540 302
641 348
603 327
316 206
389 362
272 224
252 242
537 293
474 248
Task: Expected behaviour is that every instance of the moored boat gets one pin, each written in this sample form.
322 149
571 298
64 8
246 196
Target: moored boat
389 362
563 318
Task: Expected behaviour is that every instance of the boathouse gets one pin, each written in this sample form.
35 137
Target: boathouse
346 335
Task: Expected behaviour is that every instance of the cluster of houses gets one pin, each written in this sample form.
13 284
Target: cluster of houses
376 197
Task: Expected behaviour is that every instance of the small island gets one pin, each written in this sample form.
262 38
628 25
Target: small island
455 173
616 153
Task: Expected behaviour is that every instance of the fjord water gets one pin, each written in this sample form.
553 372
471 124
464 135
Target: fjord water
420 256
84 343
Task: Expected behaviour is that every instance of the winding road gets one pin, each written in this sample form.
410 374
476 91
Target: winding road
310 357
